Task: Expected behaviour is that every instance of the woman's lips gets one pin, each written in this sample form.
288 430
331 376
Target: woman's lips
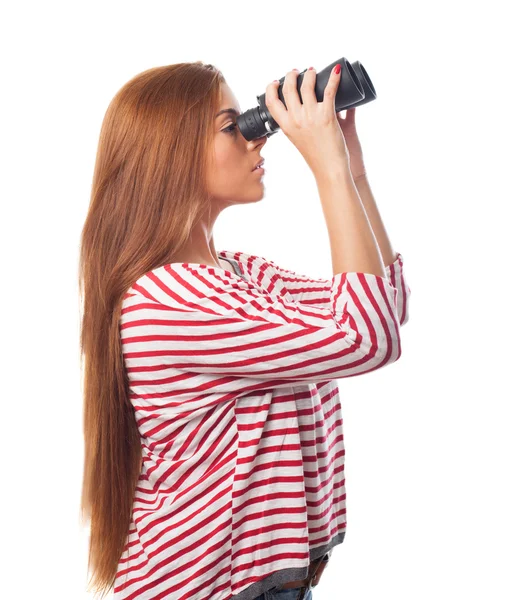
259 164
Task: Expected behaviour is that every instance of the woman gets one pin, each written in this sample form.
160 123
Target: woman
213 440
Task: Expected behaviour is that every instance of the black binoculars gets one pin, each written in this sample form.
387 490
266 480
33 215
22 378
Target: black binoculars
355 89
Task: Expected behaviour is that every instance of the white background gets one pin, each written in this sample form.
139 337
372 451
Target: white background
425 437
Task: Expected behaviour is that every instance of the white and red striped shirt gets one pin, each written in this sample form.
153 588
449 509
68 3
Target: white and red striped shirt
233 381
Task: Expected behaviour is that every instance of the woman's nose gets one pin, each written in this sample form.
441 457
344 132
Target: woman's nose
260 140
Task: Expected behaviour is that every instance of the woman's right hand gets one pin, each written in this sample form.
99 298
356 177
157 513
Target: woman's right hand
311 126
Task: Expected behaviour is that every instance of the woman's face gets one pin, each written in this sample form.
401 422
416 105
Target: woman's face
231 180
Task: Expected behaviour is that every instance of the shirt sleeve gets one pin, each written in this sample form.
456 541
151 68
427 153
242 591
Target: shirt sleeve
315 292
205 320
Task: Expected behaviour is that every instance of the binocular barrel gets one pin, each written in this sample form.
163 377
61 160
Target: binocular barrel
355 89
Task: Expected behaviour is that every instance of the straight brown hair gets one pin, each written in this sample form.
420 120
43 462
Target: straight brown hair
148 191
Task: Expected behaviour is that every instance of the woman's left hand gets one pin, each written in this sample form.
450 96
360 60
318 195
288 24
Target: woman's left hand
348 127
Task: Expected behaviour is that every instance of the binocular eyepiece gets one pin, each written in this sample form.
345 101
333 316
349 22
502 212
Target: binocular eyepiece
355 89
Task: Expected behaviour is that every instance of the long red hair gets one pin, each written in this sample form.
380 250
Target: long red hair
148 192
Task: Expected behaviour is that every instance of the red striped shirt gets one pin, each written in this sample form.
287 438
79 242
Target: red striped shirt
233 381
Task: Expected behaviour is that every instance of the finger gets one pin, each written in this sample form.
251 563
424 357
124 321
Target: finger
290 94
346 118
330 92
308 89
275 106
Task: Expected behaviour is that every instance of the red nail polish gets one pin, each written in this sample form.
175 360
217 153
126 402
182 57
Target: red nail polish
338 68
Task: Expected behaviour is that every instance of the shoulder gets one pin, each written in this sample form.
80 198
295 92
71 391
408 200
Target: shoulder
193 287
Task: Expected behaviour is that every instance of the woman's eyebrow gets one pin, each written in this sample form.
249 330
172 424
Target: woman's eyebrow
227 110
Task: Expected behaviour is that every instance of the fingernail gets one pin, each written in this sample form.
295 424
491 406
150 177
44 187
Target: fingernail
297 71
338 68
310 68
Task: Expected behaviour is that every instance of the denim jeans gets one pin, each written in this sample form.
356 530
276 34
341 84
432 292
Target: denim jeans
290 594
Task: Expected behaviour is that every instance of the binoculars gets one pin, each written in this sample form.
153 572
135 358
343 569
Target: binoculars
355 89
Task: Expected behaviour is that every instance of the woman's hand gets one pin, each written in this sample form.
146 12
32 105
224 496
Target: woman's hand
348 127
311 126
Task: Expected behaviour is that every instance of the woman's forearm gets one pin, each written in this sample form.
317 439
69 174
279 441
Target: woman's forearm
364 190
354 247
